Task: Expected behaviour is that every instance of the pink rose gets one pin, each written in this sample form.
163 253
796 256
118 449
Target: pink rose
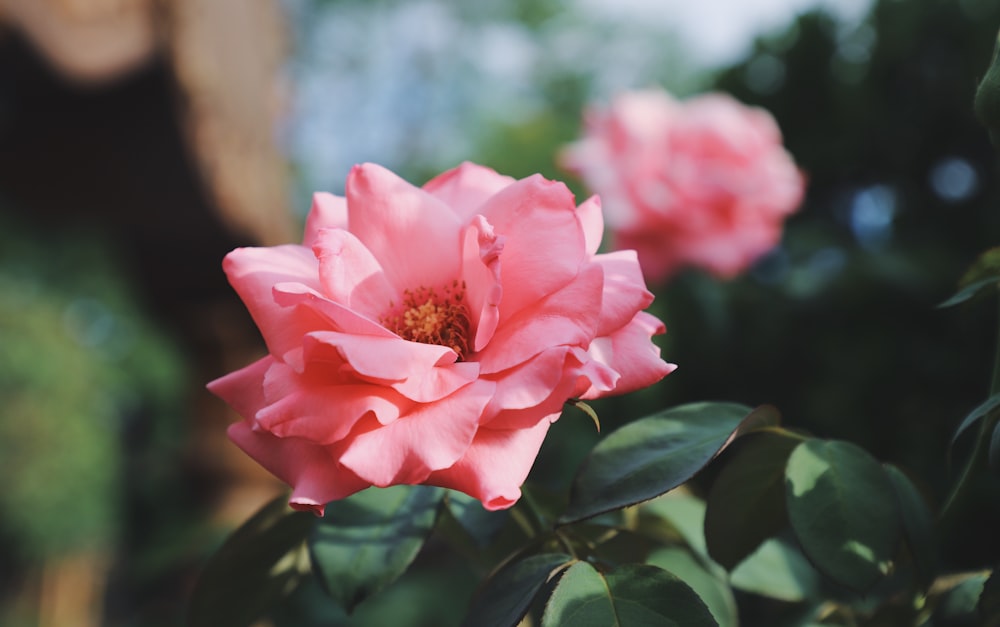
431 335
705 182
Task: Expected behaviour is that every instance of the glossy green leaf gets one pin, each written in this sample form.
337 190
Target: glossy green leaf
973 416
746 504
708 582
779 571
916 522
367 541
634 595
651 456
843 510
255 568
508 594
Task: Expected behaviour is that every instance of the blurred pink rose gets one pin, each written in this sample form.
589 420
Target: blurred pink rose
704 182
431 335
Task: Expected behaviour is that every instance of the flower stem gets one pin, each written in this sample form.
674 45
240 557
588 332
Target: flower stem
963 488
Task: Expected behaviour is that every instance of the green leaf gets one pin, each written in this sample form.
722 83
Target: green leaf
984 272
708 585
761 417
635 595
746 504
651 456
684 513
479 523
916 523
843 510
988 605
777 570
981 410
367 541
587 409
960 604
255 568
969 291
508 594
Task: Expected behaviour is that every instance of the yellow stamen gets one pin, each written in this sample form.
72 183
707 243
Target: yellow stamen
429 319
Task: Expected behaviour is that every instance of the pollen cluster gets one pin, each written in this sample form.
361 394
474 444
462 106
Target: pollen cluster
428 317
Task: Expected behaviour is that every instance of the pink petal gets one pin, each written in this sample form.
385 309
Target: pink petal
415 237
630 352
575 371
624 290
327 212
466 187
592 221
530 383
496 464
243 389
595 376
310 406
567 317
536 390
350 275
254 271
311 469
420 372
336 316
481 274
430 437
544 246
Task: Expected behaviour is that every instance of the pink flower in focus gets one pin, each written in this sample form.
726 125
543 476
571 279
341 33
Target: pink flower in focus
431 335
705 182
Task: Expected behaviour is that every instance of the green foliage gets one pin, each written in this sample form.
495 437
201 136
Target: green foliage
843 511
650 456
630 596
916 523
480 524
976 415
987 102
79 359
508 595
959 604
994 454
746 504
988 606
983 274
777 570
365 542
261 563
710 584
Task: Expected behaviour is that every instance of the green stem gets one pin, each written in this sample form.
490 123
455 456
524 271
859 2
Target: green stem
524 522
980 452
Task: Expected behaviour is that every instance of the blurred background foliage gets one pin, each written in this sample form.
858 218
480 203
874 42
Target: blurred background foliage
837 327
82 365
89 430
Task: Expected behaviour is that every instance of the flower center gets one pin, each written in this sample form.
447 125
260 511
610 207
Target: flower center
428 318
